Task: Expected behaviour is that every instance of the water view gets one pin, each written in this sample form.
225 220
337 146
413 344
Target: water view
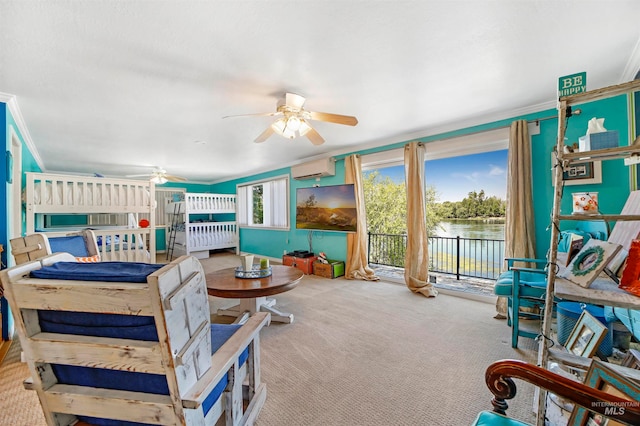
468 248
489 230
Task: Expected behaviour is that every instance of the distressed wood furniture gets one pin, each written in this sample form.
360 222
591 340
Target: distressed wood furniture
603 291
253 292
140 351
35 246
125 199
499 379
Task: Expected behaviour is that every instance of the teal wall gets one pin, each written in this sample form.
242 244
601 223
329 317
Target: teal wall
273 243
613 191
615 187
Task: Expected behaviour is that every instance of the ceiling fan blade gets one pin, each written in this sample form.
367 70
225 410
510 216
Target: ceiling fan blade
264 135
334 118
137 176
294 101
263 114
314 137
172 178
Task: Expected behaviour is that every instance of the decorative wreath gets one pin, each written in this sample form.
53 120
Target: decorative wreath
596 251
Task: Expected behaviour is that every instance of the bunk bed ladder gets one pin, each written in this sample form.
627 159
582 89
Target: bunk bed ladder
175 220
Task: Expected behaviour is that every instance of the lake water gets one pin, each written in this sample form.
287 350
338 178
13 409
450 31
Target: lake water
471 229
473 256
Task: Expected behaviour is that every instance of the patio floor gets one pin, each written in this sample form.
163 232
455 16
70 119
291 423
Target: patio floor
445 281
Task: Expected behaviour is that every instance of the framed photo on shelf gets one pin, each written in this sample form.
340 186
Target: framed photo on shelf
592 258
604 378
586 335
583 173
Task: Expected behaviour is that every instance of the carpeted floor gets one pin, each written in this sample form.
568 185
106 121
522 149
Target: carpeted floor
357 353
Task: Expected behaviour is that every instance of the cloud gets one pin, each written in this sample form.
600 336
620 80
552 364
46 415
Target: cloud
478 175
495 170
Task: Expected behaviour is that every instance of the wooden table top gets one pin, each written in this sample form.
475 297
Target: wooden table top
223 283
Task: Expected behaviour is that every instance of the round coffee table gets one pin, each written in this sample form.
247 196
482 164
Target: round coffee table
253 292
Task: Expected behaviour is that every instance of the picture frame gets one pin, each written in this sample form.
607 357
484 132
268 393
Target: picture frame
632 359
590 261
586 335
583 173
603 377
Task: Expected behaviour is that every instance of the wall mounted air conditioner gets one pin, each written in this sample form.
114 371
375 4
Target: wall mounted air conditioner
314 169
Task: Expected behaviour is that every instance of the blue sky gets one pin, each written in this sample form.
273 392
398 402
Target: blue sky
455 177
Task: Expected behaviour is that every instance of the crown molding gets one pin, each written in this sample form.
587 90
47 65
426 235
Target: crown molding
632 69
14 109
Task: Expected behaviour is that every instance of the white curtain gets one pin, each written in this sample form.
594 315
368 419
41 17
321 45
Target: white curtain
243 203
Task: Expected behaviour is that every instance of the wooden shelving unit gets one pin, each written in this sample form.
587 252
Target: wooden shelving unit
603 291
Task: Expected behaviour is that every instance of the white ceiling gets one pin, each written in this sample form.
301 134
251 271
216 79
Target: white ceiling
117 87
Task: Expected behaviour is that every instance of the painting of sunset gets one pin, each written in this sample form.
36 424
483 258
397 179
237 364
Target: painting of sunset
326 208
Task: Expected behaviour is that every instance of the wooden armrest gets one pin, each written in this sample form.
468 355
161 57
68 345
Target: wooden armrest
498 378
26 249
224 358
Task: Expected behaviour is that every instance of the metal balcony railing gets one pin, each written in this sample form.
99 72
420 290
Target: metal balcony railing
467 257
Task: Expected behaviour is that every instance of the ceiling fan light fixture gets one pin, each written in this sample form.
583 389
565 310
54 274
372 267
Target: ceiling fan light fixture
293 123
159 180
282 128
304 128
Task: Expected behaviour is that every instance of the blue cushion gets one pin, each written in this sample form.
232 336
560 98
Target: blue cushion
489 418
74 245
102 271
139 382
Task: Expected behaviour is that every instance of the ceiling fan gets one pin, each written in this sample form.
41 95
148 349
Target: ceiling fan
160 176
294 120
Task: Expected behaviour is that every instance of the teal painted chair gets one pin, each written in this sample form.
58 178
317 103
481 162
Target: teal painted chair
526 287
499 379
523 288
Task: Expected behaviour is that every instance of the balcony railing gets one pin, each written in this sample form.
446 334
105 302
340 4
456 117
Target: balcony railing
467 257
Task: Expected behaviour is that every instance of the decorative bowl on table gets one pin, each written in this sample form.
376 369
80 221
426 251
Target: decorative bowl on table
255 272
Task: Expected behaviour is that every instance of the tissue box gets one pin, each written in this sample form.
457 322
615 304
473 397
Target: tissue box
602 140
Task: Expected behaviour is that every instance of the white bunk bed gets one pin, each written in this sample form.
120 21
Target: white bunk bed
48 193
196 238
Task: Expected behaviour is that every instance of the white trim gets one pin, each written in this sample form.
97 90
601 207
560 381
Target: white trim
491 140
12 103
633 65
477 143
391 157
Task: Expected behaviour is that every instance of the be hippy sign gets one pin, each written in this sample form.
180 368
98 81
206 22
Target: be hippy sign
572 84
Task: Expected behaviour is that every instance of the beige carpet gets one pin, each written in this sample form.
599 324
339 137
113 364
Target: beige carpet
358 353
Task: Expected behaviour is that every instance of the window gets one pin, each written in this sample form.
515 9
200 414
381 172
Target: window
264 204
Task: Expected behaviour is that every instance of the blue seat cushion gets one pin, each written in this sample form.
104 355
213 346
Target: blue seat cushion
102 271
74 245
143 382
489 418
532 284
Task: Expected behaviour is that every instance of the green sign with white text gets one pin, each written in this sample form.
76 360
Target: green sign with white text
572 84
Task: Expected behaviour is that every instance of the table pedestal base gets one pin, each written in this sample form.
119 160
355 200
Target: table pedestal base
250 306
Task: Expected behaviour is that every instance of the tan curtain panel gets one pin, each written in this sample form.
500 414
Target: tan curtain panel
416 264
357 266
519 230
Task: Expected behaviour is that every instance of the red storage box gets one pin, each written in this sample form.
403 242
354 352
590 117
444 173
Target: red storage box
305 264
